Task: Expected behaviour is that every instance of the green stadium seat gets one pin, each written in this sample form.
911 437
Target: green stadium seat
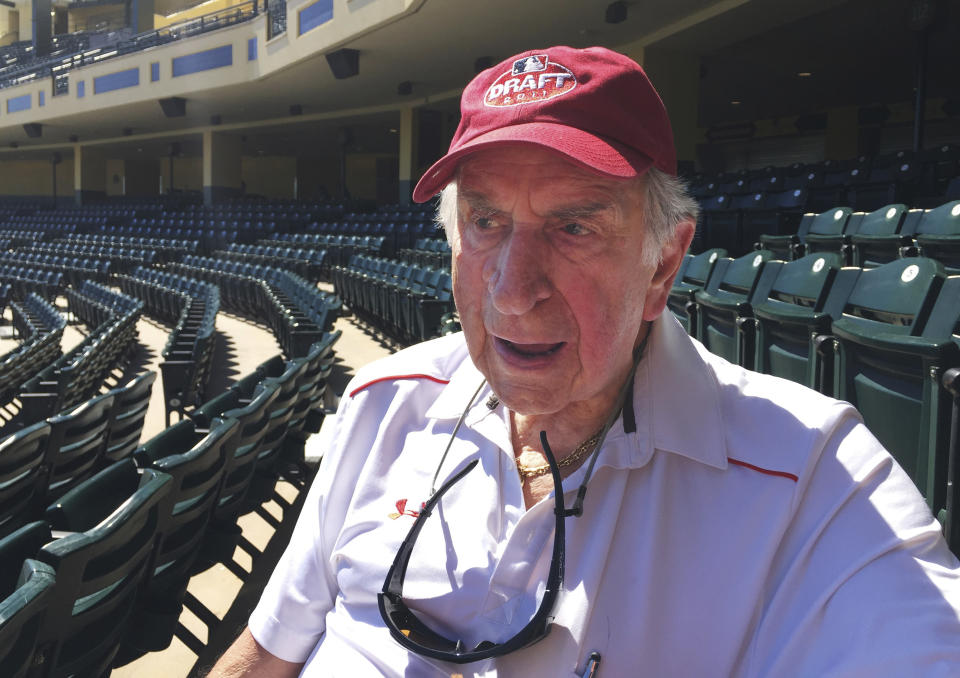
195 462
25 589
875 243
130 403
695 272
794 303
23 476
938 236
110 523
892 344
790 247
724 315
78 438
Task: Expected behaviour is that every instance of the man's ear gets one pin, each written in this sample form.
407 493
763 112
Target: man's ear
671 257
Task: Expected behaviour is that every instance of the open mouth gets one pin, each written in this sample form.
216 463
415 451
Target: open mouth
531 350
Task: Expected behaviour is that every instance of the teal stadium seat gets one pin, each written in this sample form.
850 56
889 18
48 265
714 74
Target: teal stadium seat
195 462
724 316
693 275
938 236
794 303
26 585
788 247
892 345
885 220
23 476
875 243
109 526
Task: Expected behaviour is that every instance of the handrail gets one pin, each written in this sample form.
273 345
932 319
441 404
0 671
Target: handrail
58 67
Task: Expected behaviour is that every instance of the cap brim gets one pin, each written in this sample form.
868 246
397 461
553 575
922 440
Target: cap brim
582 148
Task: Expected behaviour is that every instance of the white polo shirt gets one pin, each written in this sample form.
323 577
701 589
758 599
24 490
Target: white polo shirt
735 525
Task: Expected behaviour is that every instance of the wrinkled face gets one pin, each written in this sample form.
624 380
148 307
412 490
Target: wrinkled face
549 280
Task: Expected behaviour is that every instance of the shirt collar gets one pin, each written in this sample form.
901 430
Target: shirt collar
676 403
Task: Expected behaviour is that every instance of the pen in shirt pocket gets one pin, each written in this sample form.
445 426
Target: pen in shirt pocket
592 667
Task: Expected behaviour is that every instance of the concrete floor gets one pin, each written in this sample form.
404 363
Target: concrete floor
221 597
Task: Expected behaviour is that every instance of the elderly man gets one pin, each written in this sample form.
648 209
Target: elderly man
712 522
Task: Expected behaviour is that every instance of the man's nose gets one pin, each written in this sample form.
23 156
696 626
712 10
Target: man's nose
518 279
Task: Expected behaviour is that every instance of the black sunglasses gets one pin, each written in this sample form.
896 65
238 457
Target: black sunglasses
417 637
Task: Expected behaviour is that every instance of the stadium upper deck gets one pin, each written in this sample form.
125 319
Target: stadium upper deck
314 98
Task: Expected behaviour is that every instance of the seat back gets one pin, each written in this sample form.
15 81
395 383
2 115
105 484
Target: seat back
254 422
696 272
723 304
78 438
130 403
884 359
25 589
789 305
22 475
938 235
114 516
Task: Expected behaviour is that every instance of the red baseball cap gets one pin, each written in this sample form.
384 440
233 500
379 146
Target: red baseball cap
595 106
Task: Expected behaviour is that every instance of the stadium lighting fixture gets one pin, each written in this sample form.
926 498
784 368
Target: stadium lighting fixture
804 74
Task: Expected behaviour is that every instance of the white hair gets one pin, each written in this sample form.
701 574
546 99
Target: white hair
666 204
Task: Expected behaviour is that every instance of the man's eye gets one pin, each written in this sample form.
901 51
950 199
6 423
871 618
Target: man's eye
482 222
573 228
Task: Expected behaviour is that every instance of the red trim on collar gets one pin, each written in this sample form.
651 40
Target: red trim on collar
400 376
769 472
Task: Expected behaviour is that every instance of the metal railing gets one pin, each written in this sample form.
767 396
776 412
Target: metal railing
277 18
57 68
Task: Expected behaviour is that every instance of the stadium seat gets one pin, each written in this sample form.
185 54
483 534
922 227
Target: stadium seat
791 310
25 589
883 221
195 461
78 438
875 244
23 476
788 247
938 236
109 524
130 403
891 346
695 272
724 317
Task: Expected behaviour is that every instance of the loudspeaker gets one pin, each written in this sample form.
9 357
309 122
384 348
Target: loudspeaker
174 107
345 63
215 119
616 12
405 88
74 138
56 159
34 130
482 63
174 149
296 109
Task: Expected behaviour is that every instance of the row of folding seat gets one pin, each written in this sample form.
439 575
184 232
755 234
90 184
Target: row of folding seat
78 375
191 306
249 294
882 338
122 258
148 523
25 280
306 262
928 173
74 269
403 301
432 252
870 239
41 461
165 249
41 329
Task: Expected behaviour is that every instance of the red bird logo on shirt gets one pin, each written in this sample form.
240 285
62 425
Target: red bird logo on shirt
403 511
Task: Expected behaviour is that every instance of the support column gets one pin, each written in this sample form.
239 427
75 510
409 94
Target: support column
141 16
89 174
25 10
221 166
42 27
676 75
407 160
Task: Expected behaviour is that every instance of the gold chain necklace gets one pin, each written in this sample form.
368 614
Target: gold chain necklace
583 449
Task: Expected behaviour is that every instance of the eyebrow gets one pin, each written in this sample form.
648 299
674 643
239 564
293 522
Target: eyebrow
478 201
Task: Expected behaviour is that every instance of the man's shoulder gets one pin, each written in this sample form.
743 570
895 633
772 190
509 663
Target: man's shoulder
429 362
772 422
